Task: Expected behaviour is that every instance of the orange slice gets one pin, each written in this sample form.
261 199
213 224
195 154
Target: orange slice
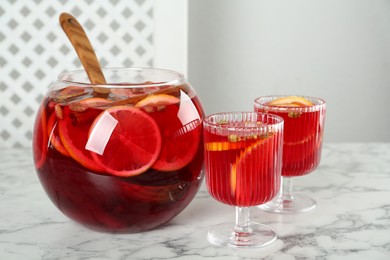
52 132
224 146
150 194
69 92
128 91
132 141
40 138
74 133
157 102
179 142
290 101
250 164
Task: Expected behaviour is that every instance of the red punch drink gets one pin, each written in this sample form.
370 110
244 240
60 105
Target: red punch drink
125 162
303 132
242 169
243 152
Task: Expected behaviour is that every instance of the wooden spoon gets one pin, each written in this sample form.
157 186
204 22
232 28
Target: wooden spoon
84 50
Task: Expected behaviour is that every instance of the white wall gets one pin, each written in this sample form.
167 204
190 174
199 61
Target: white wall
337 49
171 35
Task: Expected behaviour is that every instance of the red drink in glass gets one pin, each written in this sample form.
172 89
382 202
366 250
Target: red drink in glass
243 153
232 179
303 134
302 141
125 163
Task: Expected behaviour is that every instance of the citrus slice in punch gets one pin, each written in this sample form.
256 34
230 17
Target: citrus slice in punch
54 138
180 141
124 141
223 146
150 194
291 101
74 127
254 167
40 138
131 90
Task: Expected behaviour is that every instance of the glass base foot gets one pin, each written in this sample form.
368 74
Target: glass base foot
224 235
299 204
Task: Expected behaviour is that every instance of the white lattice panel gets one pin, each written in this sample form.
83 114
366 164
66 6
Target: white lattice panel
34 50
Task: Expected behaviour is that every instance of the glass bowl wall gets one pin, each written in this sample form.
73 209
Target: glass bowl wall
123 157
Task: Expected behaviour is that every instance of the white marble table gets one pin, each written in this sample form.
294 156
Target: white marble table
352 221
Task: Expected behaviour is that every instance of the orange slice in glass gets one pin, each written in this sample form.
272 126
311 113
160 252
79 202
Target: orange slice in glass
224 146
157 102
290 101
52 132
40 138
132 141
248 164
73 130
128 91
150 194
179 142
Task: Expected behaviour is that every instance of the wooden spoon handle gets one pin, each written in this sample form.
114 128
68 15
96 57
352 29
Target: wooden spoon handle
84 50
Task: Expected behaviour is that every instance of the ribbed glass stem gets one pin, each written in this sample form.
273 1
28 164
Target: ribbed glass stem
287 189
242 228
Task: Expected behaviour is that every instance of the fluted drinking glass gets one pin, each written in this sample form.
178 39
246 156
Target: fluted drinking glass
303 135
243 165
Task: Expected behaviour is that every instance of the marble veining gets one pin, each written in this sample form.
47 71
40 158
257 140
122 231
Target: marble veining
352 220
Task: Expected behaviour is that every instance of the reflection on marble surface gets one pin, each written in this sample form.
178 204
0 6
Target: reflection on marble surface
351 221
